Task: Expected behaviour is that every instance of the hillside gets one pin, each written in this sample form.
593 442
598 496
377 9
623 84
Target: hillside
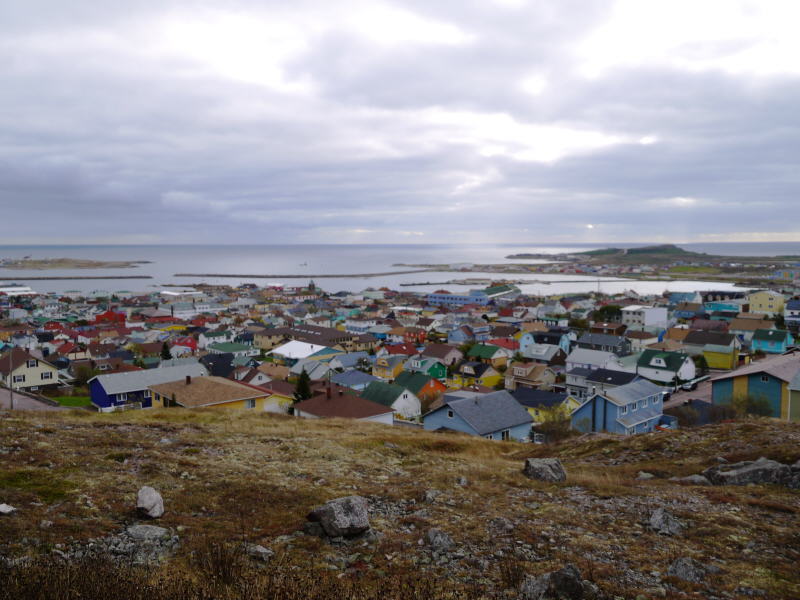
232 478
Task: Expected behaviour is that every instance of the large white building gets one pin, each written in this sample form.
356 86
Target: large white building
638 317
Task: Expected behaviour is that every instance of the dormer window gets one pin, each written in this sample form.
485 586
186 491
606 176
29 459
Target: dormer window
32 364
633 407
449 414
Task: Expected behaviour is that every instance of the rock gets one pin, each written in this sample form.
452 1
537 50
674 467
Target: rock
147 533
258 552
545 469
431 495
688 569
149 503
45 524
758 471
462 481
644 475
343 517
663 522
565 584
438 540
691 480
5 509
390 445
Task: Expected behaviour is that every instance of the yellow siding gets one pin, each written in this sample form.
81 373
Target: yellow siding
785 401
718 360
740 386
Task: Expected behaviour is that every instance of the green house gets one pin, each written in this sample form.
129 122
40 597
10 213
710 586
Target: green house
426 365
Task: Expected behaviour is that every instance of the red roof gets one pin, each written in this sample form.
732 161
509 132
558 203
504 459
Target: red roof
344 405
506 343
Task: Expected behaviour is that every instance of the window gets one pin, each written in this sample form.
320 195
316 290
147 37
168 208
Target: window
765 378
449 414
32 363
505 435
122 397
633 407
47 375
19 378
250 403
623 410
644 403
148 394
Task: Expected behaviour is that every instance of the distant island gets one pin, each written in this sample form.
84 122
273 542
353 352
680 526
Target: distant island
46 264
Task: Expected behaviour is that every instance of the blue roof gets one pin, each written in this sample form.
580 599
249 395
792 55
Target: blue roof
353 378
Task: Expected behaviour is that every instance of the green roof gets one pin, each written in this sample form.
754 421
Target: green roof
499 289
482 351
413 381
382 393
770 335
673 360
216 334
229 347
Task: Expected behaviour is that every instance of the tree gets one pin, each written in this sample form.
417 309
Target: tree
83 374
166 354
302 389
701 364
609 313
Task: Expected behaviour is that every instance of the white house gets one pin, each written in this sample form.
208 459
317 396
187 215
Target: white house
640 317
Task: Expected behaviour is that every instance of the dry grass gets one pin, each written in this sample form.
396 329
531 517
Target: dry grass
228 478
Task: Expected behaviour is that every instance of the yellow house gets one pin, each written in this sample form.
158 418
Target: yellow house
24 371
389 366
475 373
542 413
766 302
720 357
210 392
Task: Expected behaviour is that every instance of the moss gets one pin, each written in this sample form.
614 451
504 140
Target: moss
45 485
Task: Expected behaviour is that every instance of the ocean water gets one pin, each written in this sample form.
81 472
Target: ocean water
296 264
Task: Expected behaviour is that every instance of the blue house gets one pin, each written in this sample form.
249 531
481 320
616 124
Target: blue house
116 390
495 416
772 341
791 313
635 407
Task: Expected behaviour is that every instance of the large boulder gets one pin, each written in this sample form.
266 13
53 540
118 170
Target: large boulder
565 584
545 469
690 570
691 480
5 509
438 540
343 517
758 471
147 533
662 521
149 503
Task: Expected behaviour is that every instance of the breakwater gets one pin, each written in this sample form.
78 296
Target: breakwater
303 276
71 277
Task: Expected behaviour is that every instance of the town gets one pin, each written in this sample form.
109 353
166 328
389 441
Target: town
490 362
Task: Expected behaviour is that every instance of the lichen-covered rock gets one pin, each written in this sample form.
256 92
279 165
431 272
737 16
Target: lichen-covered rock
6 509
147 532
663 522
438 540
149 503
564 584
259 552
545 469
692 480
688 569
758 471
343 517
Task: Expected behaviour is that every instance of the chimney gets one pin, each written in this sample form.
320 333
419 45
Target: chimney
188 379
341 391
328 392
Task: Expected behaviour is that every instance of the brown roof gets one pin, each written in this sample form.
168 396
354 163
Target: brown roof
281 388
344 405
438 350
639 335
18 358
668 345
274 371
677 334
206 391
748 324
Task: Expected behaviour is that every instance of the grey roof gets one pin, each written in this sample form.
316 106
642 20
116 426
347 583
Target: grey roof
490 412
633 391
132 381
785 368
601 339
350 359
541 351
179 362
581 372
353 378
640 416
611 377
590 357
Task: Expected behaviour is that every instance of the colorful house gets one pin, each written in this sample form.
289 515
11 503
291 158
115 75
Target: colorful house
766 302
772 341
388 367
493 355
771 379
495 416
400 399
721 357
209 392
636 407
432 367
475 373
423 386
546 406
21 370
127 390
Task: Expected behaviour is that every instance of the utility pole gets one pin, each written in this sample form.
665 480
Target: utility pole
10 388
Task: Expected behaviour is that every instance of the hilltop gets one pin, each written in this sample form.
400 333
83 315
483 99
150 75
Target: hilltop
228 478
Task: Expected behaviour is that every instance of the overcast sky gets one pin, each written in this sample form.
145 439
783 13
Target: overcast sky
399 122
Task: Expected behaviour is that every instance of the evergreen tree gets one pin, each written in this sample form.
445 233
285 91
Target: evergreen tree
165 352
302 389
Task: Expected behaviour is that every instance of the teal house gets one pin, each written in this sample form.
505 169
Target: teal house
772 341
